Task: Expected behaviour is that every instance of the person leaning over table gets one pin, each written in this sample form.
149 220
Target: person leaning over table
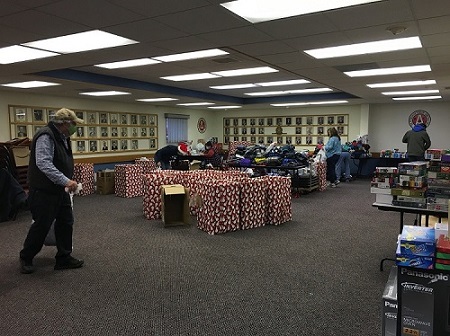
333 150
164 155
212 155
418 141
50 177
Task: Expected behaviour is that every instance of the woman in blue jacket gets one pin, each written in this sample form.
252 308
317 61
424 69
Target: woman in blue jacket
333 150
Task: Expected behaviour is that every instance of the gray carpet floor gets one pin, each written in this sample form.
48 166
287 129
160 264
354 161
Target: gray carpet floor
315 275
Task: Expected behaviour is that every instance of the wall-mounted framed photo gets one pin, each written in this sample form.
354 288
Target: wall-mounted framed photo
92 118
298 120
114 145
20 114
143 120
124 144
134 132
39 115
133 119
113 118
21 131
104 145
104 118
80 146
152 120
124 119
93 146
92 131
80 132
104 132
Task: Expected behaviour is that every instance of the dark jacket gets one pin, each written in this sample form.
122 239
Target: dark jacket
62 159
417 140
166 153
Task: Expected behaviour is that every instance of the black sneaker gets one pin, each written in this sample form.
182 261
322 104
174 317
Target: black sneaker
69 263
26 267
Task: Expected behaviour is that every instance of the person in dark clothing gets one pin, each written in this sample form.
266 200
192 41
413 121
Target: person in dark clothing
164 155
50 174
213 157
418 141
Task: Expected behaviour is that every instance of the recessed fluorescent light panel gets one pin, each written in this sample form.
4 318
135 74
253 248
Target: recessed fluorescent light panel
389 71
417 98
182 78
266 10
89 40
196 104
311 103
284 83
366 48
400 93
150 100
30 84
224 107
245 72
300 91
233 86
399 84
191 55
105 93
16 53
128 64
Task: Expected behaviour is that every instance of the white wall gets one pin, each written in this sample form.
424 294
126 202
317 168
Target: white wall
389 122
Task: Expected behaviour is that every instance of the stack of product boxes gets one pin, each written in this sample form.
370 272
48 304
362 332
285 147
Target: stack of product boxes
443 253
416 247
438 193
384 179
412 185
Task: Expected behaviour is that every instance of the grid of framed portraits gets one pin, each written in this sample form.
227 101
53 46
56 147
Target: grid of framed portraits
308 130
102 132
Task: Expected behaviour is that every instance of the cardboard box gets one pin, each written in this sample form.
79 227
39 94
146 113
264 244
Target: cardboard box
175 205
390 305
105 182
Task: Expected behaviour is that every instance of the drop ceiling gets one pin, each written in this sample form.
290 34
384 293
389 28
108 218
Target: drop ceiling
164 27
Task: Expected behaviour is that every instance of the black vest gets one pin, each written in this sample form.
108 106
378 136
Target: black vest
62 159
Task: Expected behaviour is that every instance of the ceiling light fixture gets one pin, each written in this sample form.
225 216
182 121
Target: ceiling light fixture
417 98
89 40
389 71
128 64
395 93
30 84
311 103
233 86
224 107
149 100
197 76
399 84
245 72
266 10
105 93
284 83
366 48
191 55
196 104
17 53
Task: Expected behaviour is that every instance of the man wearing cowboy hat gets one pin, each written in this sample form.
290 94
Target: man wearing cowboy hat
50 174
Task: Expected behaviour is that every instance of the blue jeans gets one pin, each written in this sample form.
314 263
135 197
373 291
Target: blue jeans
343 164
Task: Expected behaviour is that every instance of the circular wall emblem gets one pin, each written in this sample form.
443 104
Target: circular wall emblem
419 117
201 125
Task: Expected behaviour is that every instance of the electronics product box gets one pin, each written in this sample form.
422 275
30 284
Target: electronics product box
411 260
423 298
417 241
390 307
375 190
175 205
105 182
384 199
409 192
